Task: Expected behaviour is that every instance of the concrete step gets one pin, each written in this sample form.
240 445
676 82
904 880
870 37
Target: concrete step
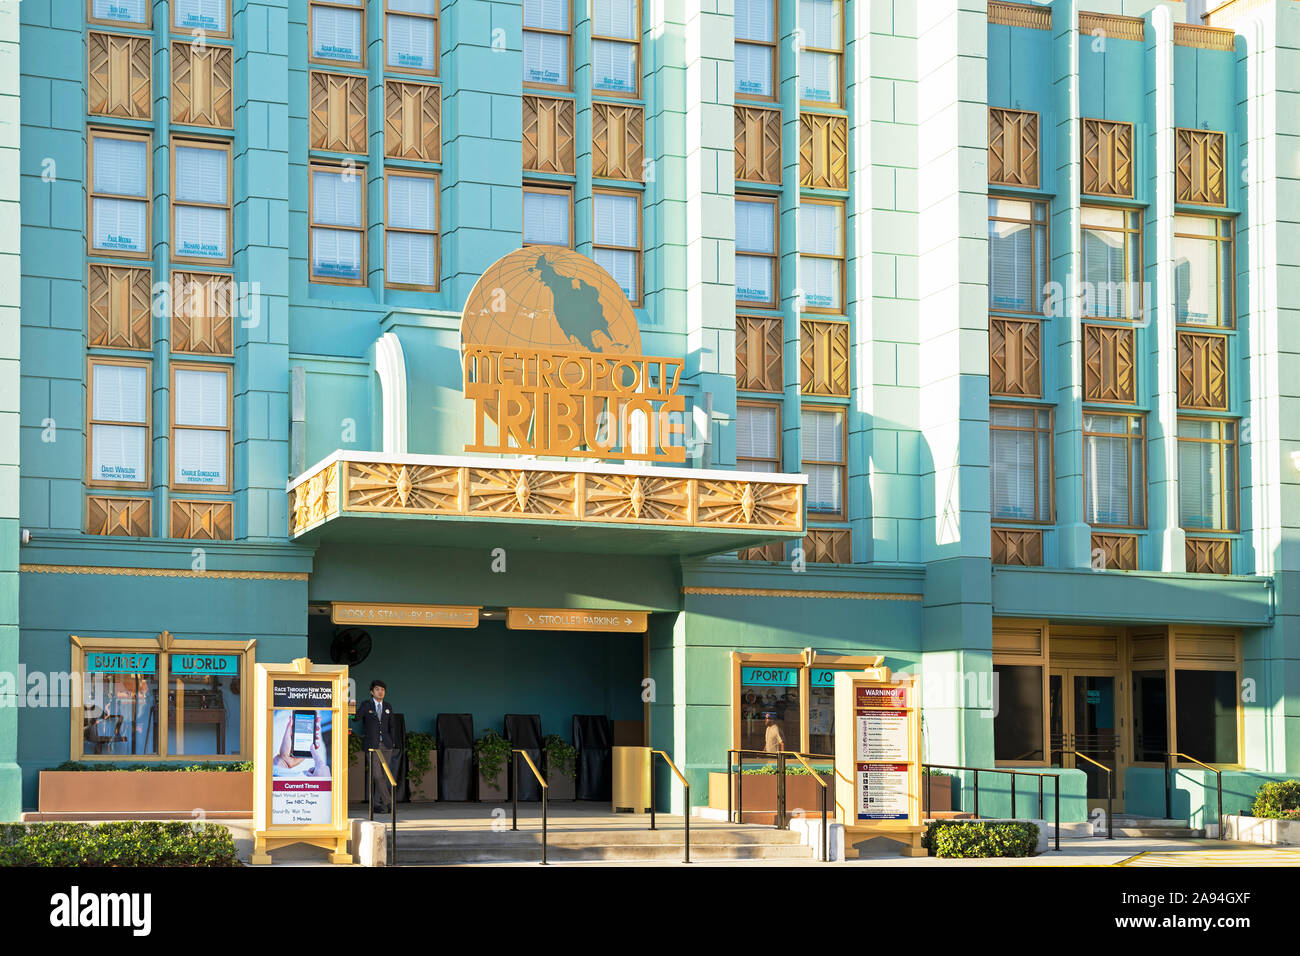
625 852
703 836
1162 833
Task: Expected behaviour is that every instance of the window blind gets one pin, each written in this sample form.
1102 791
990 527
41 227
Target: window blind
200 15
200 175
412 202
820 229
336 253
118 453
757 436
820 22
753 70
546 218
1104 273
200 398
753 20
336 198
755 226
199 457
128 11
411 258
613 18
120 224
427 7
409 42
546 58
621 265
822 435
754 278
820 280
200 232
336 34
1196 280
120 166
1106 488
1011 266
615 219
818 76
546 14
119 393
613 66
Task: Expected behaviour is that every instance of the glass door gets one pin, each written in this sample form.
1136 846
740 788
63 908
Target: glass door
1085 726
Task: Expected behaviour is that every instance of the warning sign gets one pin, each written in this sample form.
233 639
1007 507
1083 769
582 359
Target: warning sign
882 791
882 735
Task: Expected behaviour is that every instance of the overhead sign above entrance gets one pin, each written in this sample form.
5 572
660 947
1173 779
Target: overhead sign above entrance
552 361
405 615
568 619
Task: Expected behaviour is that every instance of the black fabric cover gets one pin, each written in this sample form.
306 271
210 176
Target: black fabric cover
455 733
524 731
398 764
593 737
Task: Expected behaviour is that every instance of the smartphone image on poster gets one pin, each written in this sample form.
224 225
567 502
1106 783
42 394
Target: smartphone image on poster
304 732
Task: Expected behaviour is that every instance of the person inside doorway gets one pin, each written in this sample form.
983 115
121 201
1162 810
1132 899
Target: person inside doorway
773 742
376 717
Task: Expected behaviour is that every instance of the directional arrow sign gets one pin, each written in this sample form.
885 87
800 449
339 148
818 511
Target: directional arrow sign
570 619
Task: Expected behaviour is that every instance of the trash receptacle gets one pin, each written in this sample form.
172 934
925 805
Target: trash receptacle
631 783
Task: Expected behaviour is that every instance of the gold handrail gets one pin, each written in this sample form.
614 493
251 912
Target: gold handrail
1091 761
807 766
672 766
1175 753
392 782
533 767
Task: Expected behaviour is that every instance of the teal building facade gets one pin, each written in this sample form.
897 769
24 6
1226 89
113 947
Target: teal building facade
982 314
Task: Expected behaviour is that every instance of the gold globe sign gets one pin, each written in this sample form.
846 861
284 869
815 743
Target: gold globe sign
553 364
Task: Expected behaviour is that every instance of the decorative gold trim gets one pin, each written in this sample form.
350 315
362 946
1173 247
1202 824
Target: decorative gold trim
1014 147
1026 15
1204 38
1112 25
163 572
774 592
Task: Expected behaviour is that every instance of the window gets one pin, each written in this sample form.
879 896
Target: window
548 217
119 423
1207 474
821 255
210 16
200 427
616 238
1112 262
1150 717
822 449
1018 719
756 245
1020 458
1203 266
819 57
1114 471
616 46
337 224
338 32
546 43
758 436
1017 255
411 35
119 711
755 70
120 11
770 714
119 193
411 231
200 202
1206 719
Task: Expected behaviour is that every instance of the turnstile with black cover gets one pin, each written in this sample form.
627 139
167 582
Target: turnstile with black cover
524 731
456 757
593 737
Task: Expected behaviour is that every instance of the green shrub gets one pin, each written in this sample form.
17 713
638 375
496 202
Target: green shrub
133 843
1277 800
791 770
976 838
243 766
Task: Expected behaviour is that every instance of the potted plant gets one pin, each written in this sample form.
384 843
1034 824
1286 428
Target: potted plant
422 766
356 768
492 753
561 767
936 792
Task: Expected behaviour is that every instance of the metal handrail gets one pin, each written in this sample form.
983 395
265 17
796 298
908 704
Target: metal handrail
392 794
1218 783
1110 790
1056 789
514 769
821 783
686 788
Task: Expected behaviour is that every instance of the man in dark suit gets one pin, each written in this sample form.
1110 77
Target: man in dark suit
376 718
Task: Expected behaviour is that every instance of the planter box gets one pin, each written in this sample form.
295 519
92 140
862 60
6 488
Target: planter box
427 789
1261 830
493 791
936 793
357 779
801 793
561 786
160 791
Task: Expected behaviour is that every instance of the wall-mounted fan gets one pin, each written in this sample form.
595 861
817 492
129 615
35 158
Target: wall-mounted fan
351 646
